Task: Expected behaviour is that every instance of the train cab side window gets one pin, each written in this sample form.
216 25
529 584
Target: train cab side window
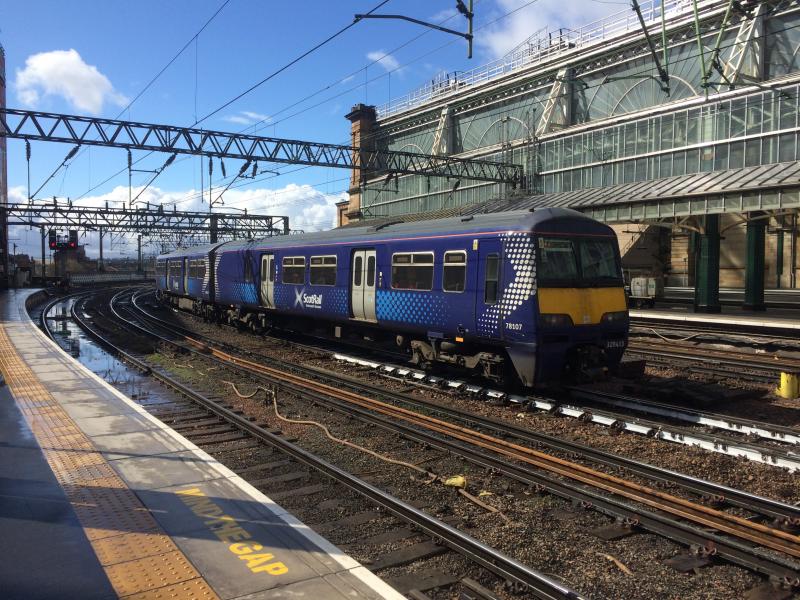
454 271
294 270
412 271
322 270
201 269
490 288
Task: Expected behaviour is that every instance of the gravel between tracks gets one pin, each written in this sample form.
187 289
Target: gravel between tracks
567 551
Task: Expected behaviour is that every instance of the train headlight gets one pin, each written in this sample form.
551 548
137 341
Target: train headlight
553 321
615 318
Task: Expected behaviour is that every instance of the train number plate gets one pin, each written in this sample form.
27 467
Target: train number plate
615 344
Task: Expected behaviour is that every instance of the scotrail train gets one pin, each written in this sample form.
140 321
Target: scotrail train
528 297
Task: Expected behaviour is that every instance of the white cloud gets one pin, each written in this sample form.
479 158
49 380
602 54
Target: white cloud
507 33
387 61
347 79
307 208
64 73
247 117
443 15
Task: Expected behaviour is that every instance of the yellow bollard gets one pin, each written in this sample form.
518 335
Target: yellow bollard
790 386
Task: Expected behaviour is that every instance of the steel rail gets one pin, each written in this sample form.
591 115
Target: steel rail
735 329
724 358
770 431
777 510
498 563
680 435
737 526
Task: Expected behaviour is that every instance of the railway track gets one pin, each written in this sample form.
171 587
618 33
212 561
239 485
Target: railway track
735 538
782 454
209 422
738 365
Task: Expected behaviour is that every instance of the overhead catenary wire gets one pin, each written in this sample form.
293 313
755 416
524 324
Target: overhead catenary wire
152 80
292 62
532 101
643 72
251 88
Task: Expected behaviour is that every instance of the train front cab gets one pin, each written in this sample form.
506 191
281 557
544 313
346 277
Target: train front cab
582 317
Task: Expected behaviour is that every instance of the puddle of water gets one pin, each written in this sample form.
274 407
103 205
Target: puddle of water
72 339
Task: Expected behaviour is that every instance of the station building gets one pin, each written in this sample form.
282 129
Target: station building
696 165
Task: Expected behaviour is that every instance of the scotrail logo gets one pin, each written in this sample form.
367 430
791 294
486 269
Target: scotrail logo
304 300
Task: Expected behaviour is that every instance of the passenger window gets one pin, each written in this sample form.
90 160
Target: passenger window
248 268
359 264
491 279
294 270
263 269
412 271
272 267
323 270
201 269
371 271
454 271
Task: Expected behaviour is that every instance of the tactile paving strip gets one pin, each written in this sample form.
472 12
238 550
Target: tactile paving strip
140 560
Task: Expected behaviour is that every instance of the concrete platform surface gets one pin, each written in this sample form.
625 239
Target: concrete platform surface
129 507
684 314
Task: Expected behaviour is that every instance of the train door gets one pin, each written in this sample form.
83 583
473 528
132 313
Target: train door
268 280
362 284
185 276
488 311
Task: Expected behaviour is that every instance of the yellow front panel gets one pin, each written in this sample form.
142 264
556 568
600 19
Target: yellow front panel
584 305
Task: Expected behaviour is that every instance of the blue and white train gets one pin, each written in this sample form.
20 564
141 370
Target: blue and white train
531 295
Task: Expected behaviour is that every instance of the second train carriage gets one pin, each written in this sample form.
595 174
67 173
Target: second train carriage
537 293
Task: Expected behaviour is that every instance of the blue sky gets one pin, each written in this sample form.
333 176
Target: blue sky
92 57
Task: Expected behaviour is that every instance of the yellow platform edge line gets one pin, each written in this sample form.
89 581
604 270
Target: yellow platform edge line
140 560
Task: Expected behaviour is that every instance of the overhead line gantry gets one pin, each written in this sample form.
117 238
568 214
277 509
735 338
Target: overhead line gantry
112 133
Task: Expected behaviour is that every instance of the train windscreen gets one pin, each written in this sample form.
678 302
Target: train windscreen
577 262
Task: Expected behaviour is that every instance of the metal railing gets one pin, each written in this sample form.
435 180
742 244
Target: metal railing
543 46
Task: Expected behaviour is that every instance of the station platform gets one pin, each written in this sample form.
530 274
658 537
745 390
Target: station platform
775 320
99 499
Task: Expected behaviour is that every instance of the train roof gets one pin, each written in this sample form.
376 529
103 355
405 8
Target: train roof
523 220
191 251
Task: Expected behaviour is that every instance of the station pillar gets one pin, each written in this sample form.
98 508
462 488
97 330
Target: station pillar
754 266
100 265
139 265
706 287
44 258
